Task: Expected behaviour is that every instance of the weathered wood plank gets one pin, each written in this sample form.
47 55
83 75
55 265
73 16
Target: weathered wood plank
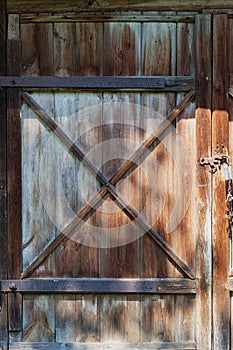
3 156
122 49
158 316
37 49
120 137
14 173
102 285
66 324
185 49
153 137
67 232
99 17
157 163
203 178
64 49
185 318
158 49
26 6
38 318
89 49
104 346
220 138
88 319
120 318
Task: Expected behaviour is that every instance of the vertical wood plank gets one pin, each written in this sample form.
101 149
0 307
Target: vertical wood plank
64 49
159 49
220 132
158 319
121 48
203 182
38 170
38 318
158 184
87 316
121 135
89 49
3 178
119 315
66 320
37 49
65 170
14 173
185 49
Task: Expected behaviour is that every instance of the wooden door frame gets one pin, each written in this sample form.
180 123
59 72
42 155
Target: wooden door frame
11 269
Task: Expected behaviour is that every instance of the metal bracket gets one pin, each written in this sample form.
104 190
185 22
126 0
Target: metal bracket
215 162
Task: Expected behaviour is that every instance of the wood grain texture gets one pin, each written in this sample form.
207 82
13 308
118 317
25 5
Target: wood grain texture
3 155
64 49
220 131
38 319
121 48
89 49
159 49
37 49
69 6
105 346
110 17
14 174
185 49
119 317
203 180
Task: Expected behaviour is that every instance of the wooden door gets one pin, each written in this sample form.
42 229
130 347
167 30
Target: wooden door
110 212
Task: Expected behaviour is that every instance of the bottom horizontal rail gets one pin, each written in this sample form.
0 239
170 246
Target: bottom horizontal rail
100 285
103 346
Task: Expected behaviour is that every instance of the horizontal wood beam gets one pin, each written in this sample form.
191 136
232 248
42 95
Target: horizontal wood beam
104 346
26 6
166 83
99 17
100 285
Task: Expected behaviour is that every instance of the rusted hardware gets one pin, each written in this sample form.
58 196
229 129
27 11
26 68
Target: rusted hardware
215 162
229 212
13 288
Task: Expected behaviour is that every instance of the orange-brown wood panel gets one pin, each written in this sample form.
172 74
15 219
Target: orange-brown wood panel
203 179
220 132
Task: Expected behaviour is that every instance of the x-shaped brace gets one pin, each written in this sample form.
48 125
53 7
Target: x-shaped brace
109 186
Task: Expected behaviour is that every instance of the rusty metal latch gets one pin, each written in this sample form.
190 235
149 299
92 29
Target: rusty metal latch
216 162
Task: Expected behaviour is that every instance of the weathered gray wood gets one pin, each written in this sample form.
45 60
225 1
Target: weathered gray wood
99 17
61 5
81 215
153 137
104 346
203 178
102 285
39 318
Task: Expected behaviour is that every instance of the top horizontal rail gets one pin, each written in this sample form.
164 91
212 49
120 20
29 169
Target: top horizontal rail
99 17
164 83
